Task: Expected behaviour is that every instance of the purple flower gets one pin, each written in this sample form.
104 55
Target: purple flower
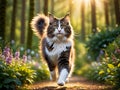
117 51
9 59
28 50
24 58
6 51
17 55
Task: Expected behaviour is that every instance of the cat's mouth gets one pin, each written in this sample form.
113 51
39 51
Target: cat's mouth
59 34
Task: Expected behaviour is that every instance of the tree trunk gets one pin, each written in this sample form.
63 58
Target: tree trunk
106 13
45 7
112 15
30 32
83 19
2 18
52 6
23 22
13 21
70 9
93 16
117 12
37 6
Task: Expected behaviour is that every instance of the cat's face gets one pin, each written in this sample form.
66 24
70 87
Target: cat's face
59 29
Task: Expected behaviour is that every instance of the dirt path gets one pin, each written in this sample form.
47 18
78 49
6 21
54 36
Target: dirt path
76 83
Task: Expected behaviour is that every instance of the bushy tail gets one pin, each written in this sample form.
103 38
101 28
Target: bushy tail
39 24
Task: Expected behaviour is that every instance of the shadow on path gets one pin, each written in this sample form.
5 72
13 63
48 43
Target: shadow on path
76 83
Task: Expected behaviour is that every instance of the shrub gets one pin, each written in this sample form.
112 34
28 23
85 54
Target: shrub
14 71
19 66
42 73
108 70
100 41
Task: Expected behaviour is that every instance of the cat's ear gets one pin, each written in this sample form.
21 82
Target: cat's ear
51 18
67 17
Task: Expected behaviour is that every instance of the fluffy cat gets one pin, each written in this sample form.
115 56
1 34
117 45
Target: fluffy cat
57 46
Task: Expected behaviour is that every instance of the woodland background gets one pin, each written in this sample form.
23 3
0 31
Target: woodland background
87 16
96 25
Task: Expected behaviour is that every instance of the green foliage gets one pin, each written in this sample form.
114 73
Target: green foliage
15 74
80 56
42 73
19 67
108 70
100 41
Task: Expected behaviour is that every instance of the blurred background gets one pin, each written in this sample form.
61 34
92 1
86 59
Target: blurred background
96 31
87 16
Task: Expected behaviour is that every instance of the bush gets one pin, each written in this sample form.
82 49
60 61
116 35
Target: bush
14 71
19 66
100 41
108 70
42 73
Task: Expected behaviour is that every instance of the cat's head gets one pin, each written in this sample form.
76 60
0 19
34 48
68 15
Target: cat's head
59 28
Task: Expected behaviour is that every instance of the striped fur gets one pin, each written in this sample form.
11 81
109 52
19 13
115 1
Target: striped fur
57 45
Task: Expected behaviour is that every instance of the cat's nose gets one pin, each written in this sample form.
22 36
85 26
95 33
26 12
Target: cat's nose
59 30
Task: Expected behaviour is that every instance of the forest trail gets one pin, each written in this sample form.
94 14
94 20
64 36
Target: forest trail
76 83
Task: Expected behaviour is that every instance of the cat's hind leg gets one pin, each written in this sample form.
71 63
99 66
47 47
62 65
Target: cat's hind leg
53 75
52 69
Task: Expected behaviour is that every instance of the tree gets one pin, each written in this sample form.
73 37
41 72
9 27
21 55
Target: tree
70 8
117 12
2 18
83 19
30 32
52 6
93 16
37 6
13 21
112 13
23 22
45 7
106 13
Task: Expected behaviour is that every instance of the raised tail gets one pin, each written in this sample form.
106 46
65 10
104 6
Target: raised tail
39 24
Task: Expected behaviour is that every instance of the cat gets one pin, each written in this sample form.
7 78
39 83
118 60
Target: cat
57 44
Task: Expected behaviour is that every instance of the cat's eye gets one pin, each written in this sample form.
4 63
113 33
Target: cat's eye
67 23
50 23
62 25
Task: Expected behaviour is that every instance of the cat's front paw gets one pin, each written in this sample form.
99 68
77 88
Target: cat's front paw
62 77
61 83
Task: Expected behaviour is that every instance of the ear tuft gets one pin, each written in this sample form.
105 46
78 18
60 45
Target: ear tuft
67 17
51 17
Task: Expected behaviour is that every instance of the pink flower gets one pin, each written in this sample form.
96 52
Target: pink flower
36 65
6 51
17 55
24 58
117 51
9 59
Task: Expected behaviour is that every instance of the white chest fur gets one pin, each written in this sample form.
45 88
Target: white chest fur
57 49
